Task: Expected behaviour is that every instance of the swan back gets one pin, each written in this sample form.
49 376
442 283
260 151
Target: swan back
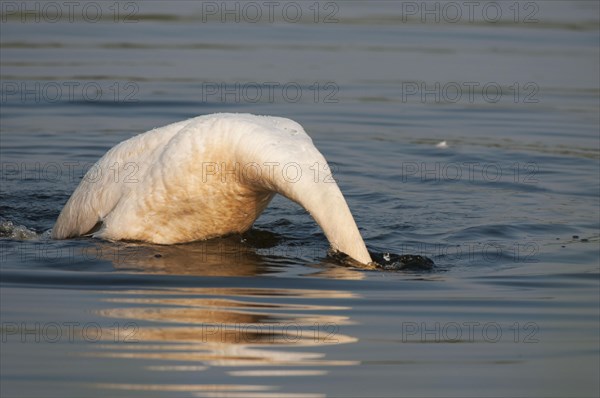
206 177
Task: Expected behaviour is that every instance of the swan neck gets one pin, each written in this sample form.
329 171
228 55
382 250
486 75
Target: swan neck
326 204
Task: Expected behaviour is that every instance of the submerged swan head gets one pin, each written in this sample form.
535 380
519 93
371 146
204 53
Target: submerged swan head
206 177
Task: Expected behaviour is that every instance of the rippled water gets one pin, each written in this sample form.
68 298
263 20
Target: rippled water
508 209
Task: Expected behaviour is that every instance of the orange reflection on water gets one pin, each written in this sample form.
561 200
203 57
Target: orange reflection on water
212 328
242 292
183 387
227 256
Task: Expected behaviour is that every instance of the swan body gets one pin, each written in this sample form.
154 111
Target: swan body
207 177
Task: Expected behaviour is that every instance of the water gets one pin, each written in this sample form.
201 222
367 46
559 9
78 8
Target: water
508 211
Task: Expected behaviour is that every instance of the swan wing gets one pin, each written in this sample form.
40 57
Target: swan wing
108 181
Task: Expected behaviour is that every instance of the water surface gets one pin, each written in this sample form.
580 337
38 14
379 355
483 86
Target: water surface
508 210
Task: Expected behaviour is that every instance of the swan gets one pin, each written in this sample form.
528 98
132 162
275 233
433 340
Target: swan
206 177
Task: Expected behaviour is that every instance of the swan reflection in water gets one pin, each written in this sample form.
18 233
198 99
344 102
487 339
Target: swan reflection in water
223 329
251 254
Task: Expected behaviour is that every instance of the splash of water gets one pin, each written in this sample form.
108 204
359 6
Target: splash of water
394 262
388 261
9 230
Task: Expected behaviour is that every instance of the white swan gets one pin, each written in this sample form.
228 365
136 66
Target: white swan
206 177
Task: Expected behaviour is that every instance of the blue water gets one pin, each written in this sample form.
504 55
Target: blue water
508 210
